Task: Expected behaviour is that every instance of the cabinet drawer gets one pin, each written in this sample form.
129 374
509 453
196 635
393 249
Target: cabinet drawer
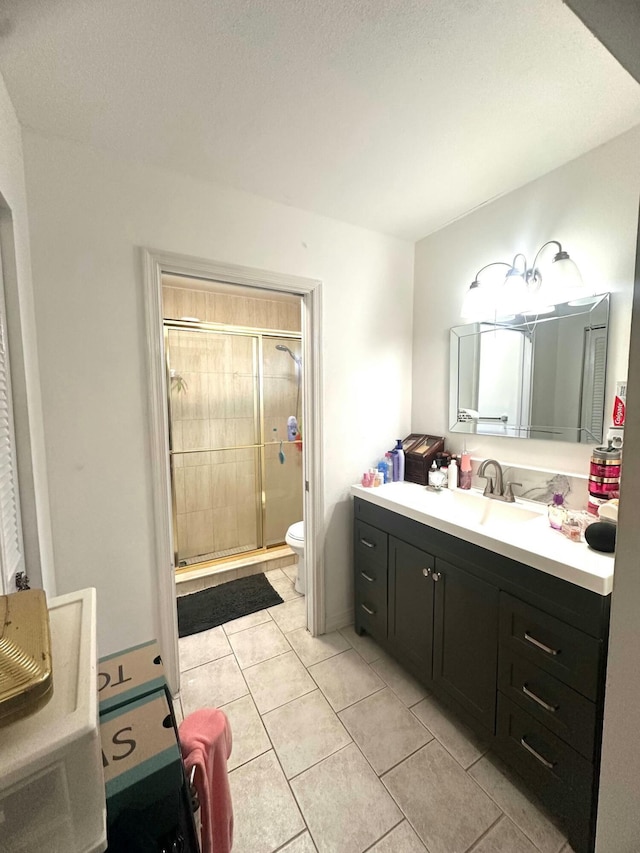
370 578
567 653
559 775
567 713
370 543
371 609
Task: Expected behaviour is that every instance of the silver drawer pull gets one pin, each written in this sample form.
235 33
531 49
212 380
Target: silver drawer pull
540 645
368 610
368 544
366 577
541 702
548 764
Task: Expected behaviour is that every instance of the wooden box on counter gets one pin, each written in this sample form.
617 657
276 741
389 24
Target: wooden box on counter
419 453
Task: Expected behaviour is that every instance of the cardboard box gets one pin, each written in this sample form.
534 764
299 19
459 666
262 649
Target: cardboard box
129 675
141 761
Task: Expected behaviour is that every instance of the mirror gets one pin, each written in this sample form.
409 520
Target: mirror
539 376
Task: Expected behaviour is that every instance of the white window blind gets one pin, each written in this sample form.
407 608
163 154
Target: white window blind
594 379
11 545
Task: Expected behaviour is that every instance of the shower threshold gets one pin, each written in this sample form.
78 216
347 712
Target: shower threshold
202 575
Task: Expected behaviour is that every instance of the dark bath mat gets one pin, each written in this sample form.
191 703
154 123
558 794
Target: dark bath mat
218 604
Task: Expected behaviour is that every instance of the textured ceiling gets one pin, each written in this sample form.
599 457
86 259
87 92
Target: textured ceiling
398 115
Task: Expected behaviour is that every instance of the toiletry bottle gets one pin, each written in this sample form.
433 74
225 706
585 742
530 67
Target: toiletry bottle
396 464
378 479
557 512
436 477
465 470
453 473
398 449
382 469
389 460
444 470
432 474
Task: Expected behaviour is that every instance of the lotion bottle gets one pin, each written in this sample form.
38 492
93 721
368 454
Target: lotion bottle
453 474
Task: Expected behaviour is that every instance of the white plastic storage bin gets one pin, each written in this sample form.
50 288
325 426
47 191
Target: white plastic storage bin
52 793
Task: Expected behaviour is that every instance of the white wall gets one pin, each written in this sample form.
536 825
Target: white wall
618 829
591 206
14 233
89 212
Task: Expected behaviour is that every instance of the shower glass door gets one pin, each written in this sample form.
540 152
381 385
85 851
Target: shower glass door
215 443
282 400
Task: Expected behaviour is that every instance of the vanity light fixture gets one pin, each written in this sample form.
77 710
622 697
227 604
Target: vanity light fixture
480 299
524 289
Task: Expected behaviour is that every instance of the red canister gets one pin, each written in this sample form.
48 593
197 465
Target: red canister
604 473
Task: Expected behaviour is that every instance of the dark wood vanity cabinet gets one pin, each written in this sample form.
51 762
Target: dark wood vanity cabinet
465 648
517 654
411 596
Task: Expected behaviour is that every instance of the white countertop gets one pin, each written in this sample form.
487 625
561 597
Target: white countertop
527 537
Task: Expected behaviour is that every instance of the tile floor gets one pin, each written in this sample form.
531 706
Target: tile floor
338 750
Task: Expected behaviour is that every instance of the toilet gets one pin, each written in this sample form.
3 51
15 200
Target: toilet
295 541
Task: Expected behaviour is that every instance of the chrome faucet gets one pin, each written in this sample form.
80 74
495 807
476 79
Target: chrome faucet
497 491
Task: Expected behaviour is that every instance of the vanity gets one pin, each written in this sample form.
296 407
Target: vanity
503 619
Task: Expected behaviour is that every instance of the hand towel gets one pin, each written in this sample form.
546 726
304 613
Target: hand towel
205 739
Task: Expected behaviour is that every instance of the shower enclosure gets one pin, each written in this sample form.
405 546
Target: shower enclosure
236 476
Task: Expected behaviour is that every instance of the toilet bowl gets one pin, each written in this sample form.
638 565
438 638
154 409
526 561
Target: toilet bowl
295 541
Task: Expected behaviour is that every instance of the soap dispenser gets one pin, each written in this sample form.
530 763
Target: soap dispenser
465 470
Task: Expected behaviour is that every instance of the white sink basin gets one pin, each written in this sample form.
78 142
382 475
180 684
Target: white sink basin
469 508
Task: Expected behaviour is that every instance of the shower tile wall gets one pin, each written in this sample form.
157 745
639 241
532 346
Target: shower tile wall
216 490
233 310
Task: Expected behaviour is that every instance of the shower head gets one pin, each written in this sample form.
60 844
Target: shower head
283 348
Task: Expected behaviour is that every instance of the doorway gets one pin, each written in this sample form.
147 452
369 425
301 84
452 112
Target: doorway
306 361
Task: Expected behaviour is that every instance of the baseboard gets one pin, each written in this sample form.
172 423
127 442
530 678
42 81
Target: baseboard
339 620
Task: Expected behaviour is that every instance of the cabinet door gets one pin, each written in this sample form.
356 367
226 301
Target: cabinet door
411 605
465 652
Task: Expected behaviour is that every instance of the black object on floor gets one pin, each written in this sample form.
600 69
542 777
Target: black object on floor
218 604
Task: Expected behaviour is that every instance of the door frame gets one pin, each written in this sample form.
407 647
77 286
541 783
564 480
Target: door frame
155 263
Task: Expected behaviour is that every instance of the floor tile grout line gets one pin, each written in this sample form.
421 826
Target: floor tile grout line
387 834
397 695
402 760
364 699
295 838
324 758
290 649
204 663
446 748
474 844
266 622
406 816
513 819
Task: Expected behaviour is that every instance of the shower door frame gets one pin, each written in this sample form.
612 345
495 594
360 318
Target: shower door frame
155 263
261 467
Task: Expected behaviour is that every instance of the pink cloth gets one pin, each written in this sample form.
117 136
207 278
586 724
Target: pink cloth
205 738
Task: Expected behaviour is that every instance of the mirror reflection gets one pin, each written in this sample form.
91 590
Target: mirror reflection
537 376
